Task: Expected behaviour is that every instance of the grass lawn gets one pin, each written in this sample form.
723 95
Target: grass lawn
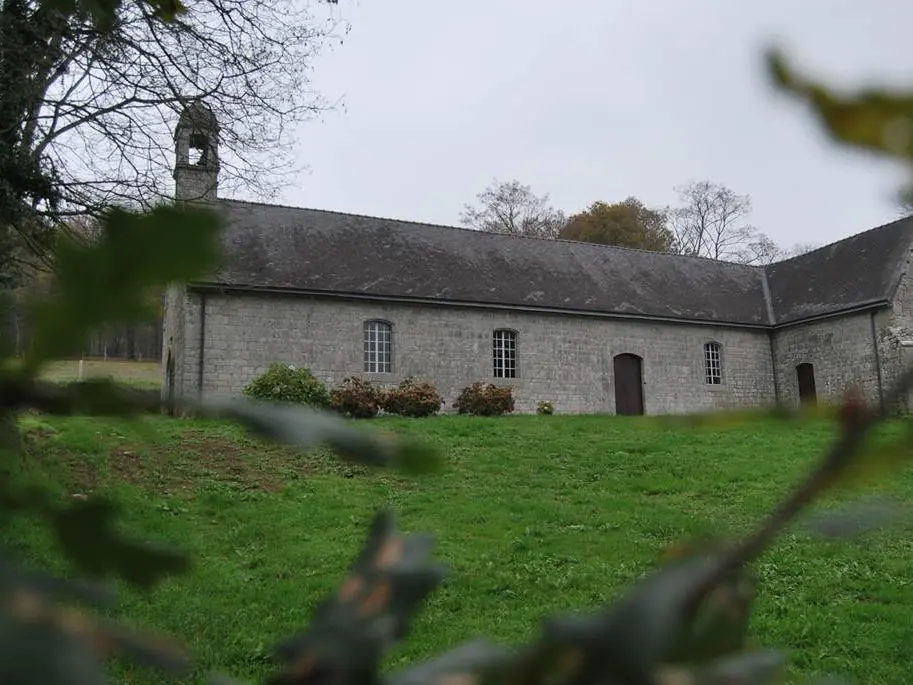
534 515
138 374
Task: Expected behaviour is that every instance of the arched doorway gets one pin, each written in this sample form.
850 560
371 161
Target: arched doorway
805 377
629 385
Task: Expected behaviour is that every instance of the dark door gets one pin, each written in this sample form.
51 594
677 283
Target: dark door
629 386
805 375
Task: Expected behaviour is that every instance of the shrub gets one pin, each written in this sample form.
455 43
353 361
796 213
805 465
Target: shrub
284 383
356 398
411 398
485 400
545 407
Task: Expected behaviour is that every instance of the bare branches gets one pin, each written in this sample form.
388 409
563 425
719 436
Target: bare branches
101 107
512 208
712 221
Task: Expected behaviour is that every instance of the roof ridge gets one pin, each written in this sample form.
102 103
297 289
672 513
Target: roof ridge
508 236
847 238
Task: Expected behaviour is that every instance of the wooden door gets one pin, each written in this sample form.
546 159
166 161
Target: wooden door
629 385
805 376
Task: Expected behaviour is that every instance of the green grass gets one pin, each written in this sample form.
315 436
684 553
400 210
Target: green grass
534 515
137 374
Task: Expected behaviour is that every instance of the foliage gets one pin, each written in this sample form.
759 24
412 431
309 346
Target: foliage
356 398
627 224
875 119
512 208
683 622
485 400
285 383
412 398
545 408
90 92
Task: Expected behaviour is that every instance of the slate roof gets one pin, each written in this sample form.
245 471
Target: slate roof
859 270
272 247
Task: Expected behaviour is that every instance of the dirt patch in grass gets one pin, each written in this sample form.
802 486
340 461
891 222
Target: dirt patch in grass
189 463
82 475
227 460
128 466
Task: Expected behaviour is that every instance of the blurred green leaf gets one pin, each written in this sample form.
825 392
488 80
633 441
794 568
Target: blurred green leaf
352 630
64 645
720 626
858 518
109 282
472 663
873 460
56 589
307 428
760 667
86 533
92 397
37 651
639 631
877 120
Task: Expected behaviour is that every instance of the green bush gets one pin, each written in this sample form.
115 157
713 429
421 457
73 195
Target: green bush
285 383
356 398
414 399
545 408
485 400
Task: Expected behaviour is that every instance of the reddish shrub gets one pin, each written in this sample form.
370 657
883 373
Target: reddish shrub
485 400
411 398
356 398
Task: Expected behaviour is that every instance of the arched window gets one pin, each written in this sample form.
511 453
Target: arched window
378 347
713 363
504 353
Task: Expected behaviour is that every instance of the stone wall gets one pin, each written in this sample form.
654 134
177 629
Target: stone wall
564 359
895 327
841 350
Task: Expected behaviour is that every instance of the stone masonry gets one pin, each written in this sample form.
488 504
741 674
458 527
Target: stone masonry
563 359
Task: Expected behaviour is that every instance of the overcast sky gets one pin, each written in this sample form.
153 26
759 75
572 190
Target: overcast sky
599 100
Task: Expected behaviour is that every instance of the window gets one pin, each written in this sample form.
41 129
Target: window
378 347
713 363
504 349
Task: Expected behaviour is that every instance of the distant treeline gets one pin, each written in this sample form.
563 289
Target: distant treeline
141 342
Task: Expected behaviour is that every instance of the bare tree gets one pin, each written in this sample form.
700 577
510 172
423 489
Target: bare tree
512 208
762 250
91 109
759 250
712 221
797 250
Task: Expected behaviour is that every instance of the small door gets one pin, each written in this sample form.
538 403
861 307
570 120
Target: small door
805 375
629 385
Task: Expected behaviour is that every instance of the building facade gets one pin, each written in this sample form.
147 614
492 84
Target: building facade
590 328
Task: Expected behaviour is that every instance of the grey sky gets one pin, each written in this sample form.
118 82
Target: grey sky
598 100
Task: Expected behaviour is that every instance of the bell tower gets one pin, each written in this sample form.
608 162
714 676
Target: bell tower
196 142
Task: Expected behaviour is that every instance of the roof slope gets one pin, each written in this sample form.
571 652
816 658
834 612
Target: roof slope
295 249
852 272
290 248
